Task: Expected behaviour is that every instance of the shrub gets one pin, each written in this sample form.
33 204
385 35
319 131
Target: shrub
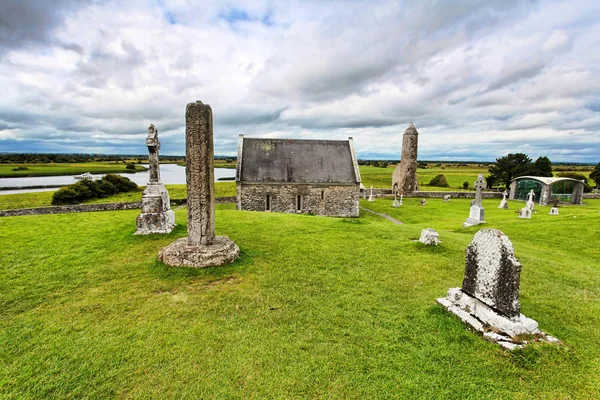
65 195
465 185
130 166
88 189
422 165
21 168
121 183
439 181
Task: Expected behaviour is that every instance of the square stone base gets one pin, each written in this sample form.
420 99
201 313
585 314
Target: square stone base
178 254
161 222
476 217
494 326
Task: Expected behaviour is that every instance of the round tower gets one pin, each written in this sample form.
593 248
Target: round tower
405 177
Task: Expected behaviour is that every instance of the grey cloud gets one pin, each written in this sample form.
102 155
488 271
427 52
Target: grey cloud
31 22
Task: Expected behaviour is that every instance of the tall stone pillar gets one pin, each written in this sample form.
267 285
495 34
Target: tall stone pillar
201 248
199 155
156 216
577 193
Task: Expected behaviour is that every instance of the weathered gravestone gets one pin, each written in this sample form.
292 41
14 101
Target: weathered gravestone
422 202
504 202
156 216
489 297
429 237
476 213
201 248
447 198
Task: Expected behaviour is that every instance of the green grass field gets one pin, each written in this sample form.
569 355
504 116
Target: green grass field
55 169
318 308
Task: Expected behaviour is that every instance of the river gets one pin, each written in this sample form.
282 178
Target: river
170 174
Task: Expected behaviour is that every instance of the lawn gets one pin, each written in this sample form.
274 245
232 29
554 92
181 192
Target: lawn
55 169
44 199
324 308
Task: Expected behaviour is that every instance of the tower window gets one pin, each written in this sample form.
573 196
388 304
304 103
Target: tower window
299 203
268 203
322 194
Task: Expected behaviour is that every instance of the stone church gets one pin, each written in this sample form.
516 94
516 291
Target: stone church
318 177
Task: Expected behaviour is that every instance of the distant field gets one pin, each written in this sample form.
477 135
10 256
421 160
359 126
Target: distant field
455 175
56 169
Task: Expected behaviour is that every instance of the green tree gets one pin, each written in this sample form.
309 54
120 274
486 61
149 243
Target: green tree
595 175
508 167
439 181
541 167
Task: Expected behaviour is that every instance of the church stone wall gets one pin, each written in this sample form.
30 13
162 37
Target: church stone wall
327 200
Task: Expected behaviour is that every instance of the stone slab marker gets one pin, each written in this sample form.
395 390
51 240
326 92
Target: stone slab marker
156 216
201 248
489 297
504 202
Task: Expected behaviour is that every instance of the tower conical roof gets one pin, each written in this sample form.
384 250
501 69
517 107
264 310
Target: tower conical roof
411 130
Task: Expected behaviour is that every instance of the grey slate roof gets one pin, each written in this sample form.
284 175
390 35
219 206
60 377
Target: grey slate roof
296 161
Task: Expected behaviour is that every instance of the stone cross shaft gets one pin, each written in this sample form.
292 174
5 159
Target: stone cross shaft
153 146
480 184
200 174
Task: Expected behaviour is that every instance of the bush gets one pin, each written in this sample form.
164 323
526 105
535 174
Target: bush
130 166
439 181
65 195
422 165
21 168
465 185
88 189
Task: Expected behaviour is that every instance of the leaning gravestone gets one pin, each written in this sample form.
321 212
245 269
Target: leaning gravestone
489 297
201 248
504 202
447 198
476 213
156 216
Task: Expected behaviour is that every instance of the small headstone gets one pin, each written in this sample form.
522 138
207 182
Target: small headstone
395 203
401 195
201 248
543 200
422 202
371 197
429 237
156 216
447 198
529 207
504 202
553 211
489 297
476 213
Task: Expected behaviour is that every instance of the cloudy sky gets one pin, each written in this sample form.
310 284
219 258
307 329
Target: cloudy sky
479 79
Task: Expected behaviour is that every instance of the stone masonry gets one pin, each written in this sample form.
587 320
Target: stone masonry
404 178
201 248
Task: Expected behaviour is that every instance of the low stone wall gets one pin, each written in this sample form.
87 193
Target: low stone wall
77 208
591 195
